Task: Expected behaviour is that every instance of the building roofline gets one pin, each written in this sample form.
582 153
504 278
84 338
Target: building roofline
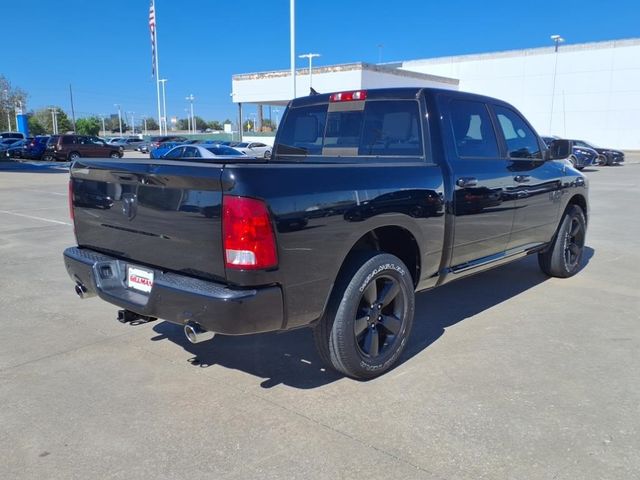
344 67
525 52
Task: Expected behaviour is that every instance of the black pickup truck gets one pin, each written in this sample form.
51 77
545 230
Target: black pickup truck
368 197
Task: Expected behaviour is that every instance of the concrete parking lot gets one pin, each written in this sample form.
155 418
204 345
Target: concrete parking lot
509 374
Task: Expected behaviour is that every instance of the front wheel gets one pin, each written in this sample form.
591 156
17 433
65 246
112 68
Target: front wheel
563 257
114 155
369 317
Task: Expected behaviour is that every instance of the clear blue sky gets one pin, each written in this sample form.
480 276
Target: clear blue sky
103 47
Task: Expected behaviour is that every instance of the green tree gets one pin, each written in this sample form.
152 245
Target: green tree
35 127
44 118
183 124
151 124
215 125
200 123
88 126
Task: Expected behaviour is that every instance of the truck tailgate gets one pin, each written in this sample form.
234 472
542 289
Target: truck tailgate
164 214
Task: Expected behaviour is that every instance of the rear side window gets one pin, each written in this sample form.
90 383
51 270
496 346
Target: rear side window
473 132
68 140
381 128
391 129
520 139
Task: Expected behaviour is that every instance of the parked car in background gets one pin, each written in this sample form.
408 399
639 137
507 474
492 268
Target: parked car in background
71 147
162 149
18 135
254 149
35 148
114 140
6 143
201 151
130 143
580 157
606 156
15 149
155 142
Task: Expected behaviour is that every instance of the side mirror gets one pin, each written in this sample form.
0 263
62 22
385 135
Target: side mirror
560 149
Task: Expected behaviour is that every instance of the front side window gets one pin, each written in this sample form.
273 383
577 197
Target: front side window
521 141
473 132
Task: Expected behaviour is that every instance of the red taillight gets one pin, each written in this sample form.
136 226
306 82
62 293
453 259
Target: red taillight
249 242
348 96
71 200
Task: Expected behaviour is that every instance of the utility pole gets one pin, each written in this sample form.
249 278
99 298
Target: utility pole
54 120
119 116
310 56
73 111
145 125
104 130
557 40
133 122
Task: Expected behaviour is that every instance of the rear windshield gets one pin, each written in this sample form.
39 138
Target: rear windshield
224 151
381 128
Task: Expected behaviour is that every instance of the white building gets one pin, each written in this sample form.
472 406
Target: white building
589 91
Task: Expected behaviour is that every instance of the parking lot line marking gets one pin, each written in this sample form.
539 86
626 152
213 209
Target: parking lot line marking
42 191
34 218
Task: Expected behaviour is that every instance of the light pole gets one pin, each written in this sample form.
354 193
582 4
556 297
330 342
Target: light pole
133 122
292 33
557 40
164 106
119 116
144 119
191 98
276 111
54 120
310 56
104 130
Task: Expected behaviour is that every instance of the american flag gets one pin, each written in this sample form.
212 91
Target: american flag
152 28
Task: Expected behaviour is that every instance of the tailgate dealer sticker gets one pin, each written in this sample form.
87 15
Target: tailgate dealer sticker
140 279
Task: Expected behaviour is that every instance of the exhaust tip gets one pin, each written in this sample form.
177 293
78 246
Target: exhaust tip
81 290
196 334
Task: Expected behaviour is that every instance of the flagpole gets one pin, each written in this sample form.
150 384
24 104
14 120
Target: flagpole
155 39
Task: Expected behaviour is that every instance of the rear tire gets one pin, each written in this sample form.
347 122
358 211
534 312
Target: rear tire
574 161
369 317
563 257
114 155
73 156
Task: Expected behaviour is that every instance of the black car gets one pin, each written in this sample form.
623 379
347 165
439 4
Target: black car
607 156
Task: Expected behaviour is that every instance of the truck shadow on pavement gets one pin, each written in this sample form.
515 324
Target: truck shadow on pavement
290 358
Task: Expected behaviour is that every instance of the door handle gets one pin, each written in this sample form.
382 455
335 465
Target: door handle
467 182
522 178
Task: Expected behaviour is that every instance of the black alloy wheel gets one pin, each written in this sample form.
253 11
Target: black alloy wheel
563 257
380 317
368 320
574 243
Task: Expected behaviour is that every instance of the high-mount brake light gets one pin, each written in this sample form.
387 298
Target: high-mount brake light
249 241
348 96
